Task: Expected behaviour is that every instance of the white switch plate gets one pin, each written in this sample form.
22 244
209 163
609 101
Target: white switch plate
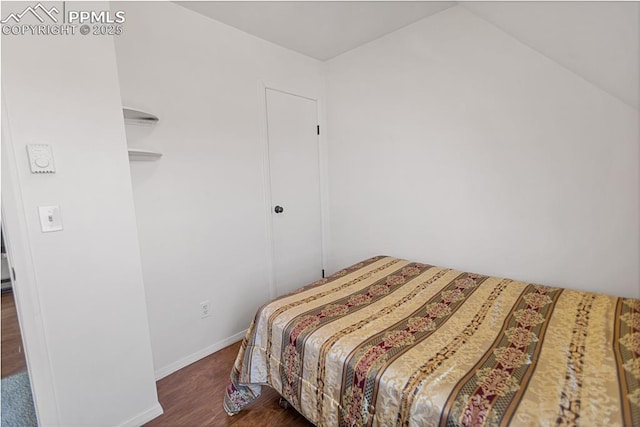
50 219
41 158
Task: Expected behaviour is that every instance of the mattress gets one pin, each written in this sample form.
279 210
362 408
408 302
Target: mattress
389 342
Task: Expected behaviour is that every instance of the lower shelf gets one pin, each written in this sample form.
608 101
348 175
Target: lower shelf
137 154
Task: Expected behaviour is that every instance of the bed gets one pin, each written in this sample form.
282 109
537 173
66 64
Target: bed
389 342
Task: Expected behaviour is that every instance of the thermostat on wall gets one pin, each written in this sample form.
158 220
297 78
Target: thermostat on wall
41 158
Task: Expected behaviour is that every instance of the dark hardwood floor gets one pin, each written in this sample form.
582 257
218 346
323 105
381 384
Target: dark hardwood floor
13 360
193 397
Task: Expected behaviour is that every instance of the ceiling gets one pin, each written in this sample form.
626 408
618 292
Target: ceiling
319 29
598 40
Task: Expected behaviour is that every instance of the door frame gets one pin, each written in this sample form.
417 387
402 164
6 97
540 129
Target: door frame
24 281
266 177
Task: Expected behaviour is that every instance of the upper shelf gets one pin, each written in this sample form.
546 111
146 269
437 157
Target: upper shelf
144 155
138 117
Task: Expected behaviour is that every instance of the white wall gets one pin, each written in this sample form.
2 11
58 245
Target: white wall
452 143
81 289
201 208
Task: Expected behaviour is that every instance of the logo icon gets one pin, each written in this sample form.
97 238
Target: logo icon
34 11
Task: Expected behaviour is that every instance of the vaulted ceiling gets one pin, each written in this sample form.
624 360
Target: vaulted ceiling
597 40
320 29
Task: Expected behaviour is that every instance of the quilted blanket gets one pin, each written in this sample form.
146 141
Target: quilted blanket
388 342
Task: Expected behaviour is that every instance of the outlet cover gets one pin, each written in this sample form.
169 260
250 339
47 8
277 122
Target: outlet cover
205 309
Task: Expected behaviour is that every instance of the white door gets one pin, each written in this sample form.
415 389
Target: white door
295 189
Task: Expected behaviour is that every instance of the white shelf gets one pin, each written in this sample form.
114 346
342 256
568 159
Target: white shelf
134 116
143 155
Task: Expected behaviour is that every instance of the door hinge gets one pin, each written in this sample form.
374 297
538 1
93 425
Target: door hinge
13 273
318 128
323 273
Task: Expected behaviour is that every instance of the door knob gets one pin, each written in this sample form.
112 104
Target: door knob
279 209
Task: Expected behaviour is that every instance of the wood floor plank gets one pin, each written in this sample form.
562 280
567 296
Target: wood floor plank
193 397
13 360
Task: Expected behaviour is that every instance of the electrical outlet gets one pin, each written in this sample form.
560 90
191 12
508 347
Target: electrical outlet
205 309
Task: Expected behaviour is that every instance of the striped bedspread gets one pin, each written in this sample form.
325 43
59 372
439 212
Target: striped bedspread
388 342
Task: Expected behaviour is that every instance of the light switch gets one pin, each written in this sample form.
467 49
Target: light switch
50 219
41 158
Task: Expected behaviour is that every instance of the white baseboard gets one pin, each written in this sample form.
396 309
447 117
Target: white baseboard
188 360
146 416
